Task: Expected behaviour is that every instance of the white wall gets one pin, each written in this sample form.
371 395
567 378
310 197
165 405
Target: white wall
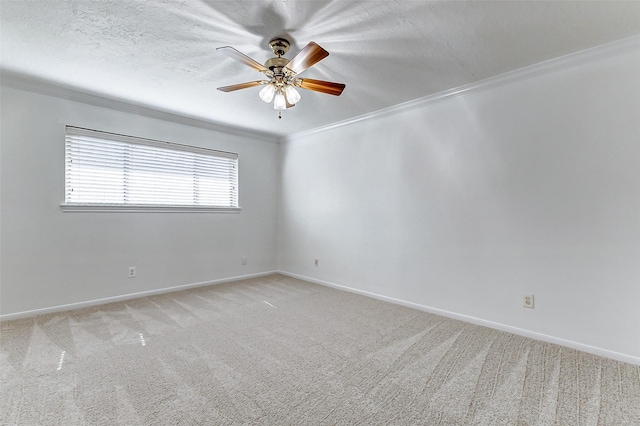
467 203
50 258
462 204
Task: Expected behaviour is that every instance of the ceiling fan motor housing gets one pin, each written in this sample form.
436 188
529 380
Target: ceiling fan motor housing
280 46
276 65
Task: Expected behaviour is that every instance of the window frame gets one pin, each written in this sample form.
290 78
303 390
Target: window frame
153 208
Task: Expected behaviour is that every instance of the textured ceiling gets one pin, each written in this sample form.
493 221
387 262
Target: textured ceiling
161 54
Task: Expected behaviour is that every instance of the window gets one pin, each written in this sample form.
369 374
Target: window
107 171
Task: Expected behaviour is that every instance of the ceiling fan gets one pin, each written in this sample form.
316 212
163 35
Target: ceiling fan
282 74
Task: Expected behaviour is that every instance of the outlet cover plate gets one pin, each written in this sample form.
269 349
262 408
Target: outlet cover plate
527 301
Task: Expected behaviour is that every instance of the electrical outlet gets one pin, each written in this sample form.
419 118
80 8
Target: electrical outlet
317 262
527 301
243 260
132 271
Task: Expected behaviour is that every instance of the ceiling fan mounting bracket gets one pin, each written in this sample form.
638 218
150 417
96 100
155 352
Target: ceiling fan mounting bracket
279 45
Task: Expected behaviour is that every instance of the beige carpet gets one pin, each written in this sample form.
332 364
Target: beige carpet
280 351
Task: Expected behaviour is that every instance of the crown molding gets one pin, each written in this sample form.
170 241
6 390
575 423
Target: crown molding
29 83
571 60
33 84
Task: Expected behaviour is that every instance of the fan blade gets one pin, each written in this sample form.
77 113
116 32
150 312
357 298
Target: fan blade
328 87
233 53
242 86
307 57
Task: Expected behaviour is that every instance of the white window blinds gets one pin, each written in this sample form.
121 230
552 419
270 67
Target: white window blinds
115 170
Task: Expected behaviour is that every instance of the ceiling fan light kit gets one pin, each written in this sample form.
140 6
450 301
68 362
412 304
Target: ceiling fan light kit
282 74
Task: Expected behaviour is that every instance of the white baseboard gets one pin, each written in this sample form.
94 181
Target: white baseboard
478 321
129 296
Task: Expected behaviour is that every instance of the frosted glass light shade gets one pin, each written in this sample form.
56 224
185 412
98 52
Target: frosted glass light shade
292 94
267 93
280 102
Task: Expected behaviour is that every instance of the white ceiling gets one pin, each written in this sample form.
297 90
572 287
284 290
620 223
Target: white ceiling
161 54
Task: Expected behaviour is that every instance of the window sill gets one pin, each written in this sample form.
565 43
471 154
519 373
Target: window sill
143 208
